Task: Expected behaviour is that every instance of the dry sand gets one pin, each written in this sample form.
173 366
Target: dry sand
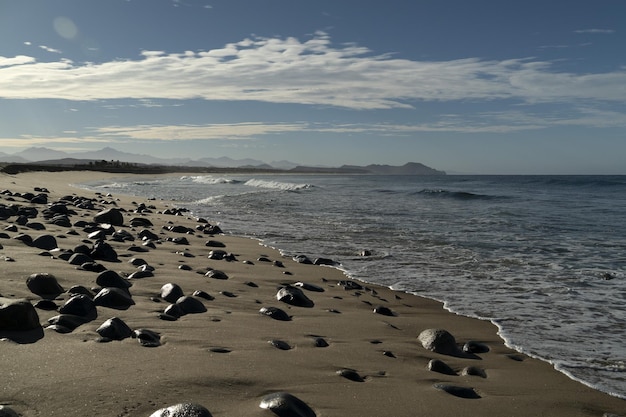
74 374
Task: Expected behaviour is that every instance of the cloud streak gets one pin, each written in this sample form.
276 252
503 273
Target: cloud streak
313 72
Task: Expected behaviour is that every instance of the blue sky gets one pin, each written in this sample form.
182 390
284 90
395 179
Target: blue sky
483 87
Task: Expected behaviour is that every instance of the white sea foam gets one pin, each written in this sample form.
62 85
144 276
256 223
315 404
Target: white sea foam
285 186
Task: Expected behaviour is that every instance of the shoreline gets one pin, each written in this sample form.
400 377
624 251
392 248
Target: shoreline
234 383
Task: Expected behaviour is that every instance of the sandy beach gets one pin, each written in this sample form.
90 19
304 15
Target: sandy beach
341 347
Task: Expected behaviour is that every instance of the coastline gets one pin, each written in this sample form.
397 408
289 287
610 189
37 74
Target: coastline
124 378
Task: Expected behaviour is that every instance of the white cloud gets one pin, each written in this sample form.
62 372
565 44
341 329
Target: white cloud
193 132
314 72
603 31
48 49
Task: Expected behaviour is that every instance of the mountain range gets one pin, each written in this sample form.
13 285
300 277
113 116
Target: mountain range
46 156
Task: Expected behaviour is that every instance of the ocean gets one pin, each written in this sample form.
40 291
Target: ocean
542 257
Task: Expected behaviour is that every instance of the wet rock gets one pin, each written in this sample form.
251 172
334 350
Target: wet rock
147 338
293 296
102 251
182 410
113 297
436 365
191 305
80 305
111 216
440 341
47 242
385 311
110 278
171 292
215 274
44 285
18 315
350 285
284 404
114 329
303 259
279 344
350 374
474 371
457 391
275 313
475 347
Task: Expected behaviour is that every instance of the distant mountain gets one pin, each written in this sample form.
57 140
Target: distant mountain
47 156
40 154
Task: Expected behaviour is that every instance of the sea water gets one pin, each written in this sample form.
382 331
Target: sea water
542 257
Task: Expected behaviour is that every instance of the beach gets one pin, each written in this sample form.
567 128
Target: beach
350 348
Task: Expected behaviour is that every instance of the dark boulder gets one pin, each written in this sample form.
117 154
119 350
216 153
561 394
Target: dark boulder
18 315
44 285
293 296
111 216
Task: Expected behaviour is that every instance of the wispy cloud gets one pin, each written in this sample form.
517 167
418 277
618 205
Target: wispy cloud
48 49
600 31
194 132
313 72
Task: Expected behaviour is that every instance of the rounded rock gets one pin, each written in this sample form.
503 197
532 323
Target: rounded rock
44 285
284 404
439 341
182 410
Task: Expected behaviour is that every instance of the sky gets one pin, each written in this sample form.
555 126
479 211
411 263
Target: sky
475 87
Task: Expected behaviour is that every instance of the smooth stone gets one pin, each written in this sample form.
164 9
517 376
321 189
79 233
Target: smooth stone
79 259
44 285
284 404
215 244
474 371
110 278
140 222
215 274
303 259
275 313
6 411
146 234
436 365
475 347
111 216
47 242
137 261
191 305
325 261
350 374
114 329
171 292
173 310
102 251
320 342
141 274
147 338
113 297
19 315
293 296
67 321
217 254
462 392
182 410
203 294
47 305
439 340
385 311
80 305
279 344
350 285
